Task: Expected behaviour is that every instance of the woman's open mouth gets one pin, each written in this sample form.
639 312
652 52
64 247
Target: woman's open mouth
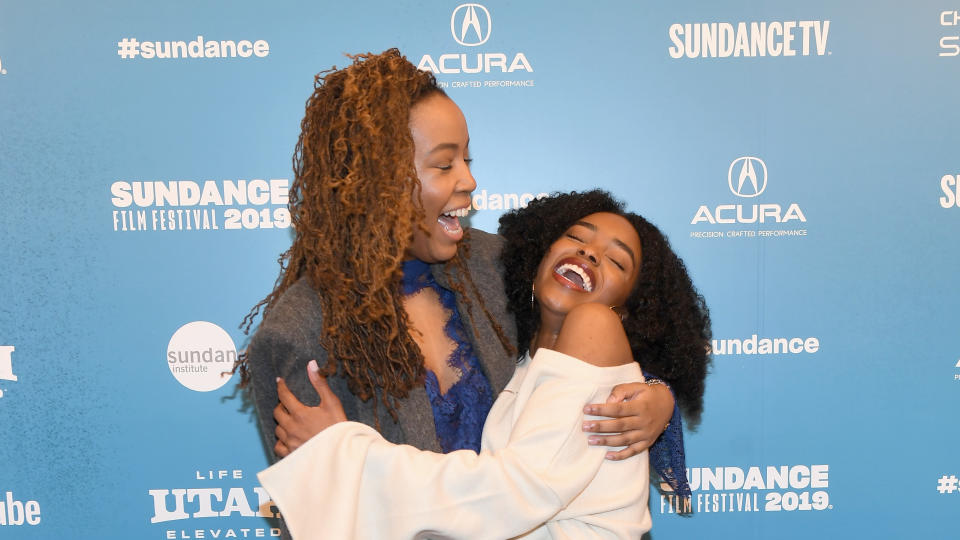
450 221
574 274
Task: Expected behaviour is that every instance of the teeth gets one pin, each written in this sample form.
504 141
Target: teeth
587 284
458 213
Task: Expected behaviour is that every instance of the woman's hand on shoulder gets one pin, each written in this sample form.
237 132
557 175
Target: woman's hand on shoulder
639 414
296 422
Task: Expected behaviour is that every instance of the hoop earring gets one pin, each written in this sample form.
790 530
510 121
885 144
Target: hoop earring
533 289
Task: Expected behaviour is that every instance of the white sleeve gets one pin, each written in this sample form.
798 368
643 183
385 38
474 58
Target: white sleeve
348 482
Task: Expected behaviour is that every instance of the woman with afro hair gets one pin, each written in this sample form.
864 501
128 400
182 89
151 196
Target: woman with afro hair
666 319
596 292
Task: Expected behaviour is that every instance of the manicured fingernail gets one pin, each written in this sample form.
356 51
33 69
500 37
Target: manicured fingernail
588 409
279 379
611 455
588 426
593 440
312 366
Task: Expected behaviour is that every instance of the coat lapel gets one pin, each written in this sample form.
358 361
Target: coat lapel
496 363
415 414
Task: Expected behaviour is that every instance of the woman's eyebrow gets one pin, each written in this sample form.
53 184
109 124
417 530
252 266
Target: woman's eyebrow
633 258
587 224
443 146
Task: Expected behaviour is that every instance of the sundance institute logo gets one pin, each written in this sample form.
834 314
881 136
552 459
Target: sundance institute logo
6 364
201 356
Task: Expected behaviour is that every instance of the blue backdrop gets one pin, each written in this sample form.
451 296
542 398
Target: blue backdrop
801 156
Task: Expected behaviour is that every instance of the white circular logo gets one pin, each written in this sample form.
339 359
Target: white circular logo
201 356
470 25
753 173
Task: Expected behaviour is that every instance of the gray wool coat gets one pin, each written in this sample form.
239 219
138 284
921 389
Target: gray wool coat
289 337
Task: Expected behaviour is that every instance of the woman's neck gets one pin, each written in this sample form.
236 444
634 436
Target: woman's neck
546 335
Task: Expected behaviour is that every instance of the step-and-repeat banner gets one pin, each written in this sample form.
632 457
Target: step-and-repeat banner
803 157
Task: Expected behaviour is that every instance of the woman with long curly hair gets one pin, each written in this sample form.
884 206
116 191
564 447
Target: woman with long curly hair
402 308
596 292
381 180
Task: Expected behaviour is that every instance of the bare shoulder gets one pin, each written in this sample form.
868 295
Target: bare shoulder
594 334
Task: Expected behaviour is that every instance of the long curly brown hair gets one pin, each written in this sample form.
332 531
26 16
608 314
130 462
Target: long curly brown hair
354 172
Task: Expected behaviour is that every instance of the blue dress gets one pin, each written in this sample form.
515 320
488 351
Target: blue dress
458 415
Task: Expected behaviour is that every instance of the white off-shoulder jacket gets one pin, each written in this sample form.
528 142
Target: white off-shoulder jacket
535 476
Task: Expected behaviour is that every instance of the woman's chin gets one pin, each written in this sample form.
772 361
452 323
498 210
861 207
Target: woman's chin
434 253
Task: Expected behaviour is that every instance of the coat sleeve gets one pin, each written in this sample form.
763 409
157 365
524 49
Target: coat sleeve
282 346
348 482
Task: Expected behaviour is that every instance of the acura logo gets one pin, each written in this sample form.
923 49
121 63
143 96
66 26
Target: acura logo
470 25
751 176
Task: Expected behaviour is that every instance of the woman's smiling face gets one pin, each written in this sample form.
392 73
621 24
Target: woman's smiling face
442 160
597 259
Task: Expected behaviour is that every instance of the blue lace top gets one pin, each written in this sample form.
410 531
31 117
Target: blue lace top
458 415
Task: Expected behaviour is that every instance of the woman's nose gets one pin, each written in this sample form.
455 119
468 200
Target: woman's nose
588 253
467 182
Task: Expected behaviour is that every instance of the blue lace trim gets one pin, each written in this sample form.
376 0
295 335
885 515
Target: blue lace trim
667 456
458 415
